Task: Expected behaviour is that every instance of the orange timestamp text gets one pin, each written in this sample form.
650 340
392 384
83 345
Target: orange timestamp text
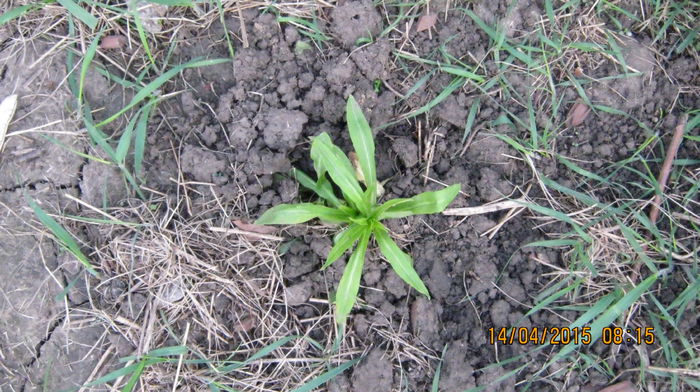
540 335
568 335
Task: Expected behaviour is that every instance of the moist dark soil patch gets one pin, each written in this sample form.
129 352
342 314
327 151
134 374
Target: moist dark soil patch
244 126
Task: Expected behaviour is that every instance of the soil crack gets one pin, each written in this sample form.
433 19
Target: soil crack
37 348
32 186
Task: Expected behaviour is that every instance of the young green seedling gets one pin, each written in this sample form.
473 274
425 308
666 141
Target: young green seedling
358 209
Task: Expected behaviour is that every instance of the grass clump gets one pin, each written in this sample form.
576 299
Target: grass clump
358 209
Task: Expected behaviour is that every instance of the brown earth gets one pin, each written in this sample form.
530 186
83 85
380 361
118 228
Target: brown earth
240 128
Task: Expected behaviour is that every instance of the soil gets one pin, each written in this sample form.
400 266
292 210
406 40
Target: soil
237 130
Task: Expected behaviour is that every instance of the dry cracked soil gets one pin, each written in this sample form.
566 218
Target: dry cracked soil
233 132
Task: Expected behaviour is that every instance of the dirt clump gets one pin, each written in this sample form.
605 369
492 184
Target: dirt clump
203 165
374 374
354 20
282 128
407 151
457 374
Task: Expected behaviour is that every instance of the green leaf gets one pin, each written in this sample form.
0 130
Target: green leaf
327 156
140 138
349 284
291 214
79 12
325 377
16 13
462 72
362 141
425 203
343 241
263 352
379 210
141 31
125 371
609 316
135 376
96 134
322 188
151 87
168 351
87 60
125 141
136 369
401 262
435 387
64 238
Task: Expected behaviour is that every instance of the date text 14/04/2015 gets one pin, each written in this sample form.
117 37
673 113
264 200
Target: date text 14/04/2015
566 335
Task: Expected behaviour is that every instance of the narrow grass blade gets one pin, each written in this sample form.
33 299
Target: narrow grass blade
263 352
135 370
270 348
323 189
338 166
140 138
343 241
500 39
132 181
470 119
74 151
401 262
79 12
580 170
291 214
135 376
419 83
167 351
543 303
379 210
125 140
227 35
457 71
111 376
435 387
686 297
610 315
424 203
151 87
96 135
349 284
136 14
617 51
327 376
114 78
456 83
314 30
549 9
552 243
60 296
16 13
87 60
363 142
560 216
64 238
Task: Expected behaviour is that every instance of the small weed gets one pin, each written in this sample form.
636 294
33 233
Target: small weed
308 28
145 99
212 376
622 269
63 237
359 209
